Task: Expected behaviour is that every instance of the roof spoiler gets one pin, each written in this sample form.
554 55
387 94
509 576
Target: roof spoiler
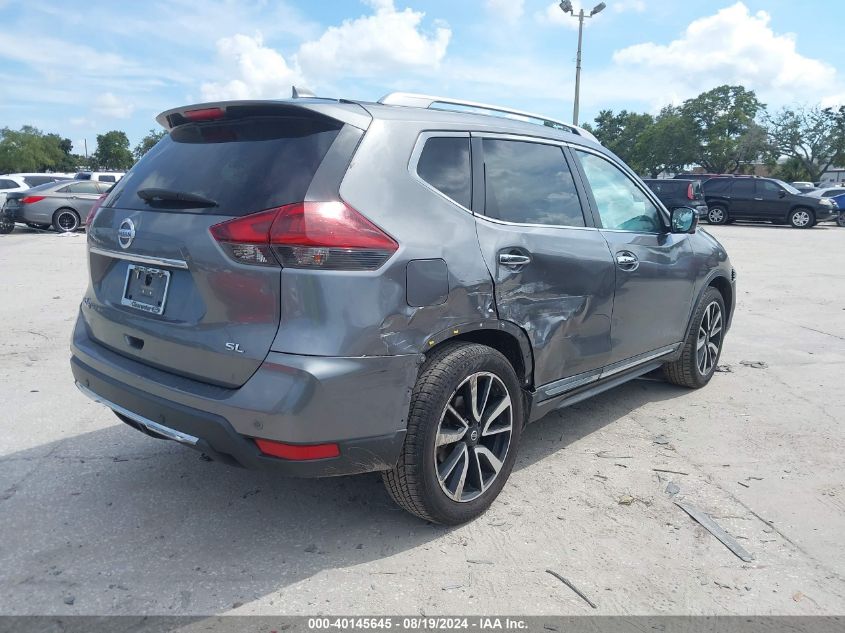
415 100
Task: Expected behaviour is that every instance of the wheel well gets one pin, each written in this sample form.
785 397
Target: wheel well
501 341
724 287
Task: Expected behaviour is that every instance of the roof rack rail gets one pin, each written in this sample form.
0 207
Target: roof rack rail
427 101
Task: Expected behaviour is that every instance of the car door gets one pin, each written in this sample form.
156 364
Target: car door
769 201
553 274
82 195
655 269
743 205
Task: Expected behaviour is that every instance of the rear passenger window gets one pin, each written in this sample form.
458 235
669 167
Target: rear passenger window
717 185
529 183
8 184
743 187
445 165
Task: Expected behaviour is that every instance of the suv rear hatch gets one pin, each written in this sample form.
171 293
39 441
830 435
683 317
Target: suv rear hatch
163 290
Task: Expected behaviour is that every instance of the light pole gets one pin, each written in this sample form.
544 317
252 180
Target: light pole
566 7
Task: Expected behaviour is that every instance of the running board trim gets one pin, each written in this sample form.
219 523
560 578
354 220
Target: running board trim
153 427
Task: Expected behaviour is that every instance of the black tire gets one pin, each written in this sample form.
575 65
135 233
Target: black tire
717 214
6 225
414 483
841 220
801 218
66 220
687 371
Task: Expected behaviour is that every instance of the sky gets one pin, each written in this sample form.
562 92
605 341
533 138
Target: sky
81 68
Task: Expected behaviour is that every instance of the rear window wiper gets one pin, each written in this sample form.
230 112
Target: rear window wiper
168 196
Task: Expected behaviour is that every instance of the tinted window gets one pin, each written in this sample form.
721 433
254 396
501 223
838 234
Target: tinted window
8 184
717 185
83 175
34 181
106 179
621 204
833 192
768 189
84 187
743 188
445 165
529 183
245 165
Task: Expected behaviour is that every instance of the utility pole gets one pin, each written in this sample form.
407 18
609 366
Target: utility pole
566 7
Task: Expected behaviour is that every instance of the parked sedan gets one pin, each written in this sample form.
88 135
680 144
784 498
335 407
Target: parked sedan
62 205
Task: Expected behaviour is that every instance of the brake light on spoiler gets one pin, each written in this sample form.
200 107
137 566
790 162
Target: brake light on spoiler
315 235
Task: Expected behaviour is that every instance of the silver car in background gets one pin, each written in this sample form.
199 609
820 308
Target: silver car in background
62 205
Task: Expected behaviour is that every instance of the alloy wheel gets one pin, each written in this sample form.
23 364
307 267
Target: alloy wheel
473 437
709 338
715 215
801 218
67 221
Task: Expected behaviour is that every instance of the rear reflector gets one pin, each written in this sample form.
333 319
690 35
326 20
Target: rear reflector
297 452
31 199
317 235
204 114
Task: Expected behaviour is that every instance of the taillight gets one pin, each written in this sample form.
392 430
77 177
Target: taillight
690 193
94 208
204 114
31 199
314 235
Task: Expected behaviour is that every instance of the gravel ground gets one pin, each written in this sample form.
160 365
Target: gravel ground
96 518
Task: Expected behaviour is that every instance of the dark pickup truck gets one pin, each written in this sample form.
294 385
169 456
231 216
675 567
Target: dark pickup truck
674 193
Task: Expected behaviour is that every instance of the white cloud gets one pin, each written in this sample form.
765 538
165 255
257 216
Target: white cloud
509 10
386 41
256 71
732 46
108 104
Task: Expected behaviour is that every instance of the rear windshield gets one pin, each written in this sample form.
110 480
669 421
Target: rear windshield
244 165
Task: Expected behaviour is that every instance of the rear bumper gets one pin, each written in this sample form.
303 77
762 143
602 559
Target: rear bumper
359 403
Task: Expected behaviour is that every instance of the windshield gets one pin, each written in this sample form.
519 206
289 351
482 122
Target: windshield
787 186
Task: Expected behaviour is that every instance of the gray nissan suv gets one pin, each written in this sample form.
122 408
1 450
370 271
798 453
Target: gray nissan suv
326 287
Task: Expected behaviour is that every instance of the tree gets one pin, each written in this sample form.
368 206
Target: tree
810 137
620 132
669 145
147 143
726 132
112 151
29 149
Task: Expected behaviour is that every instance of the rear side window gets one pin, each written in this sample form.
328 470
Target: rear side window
34 181
8 184
445 164
82 187
244 165
529 183
743 187
717 185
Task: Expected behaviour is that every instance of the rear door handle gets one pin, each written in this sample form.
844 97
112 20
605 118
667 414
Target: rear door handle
513 260
626 260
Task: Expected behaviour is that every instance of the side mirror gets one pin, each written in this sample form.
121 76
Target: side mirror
781 193
684 220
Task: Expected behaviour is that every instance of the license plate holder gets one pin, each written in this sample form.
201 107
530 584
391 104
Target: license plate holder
146 288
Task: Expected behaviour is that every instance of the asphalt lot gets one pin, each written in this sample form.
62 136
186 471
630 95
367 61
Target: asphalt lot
95 514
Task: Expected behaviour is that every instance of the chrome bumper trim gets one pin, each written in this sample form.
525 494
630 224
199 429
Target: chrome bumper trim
141 259
154 427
